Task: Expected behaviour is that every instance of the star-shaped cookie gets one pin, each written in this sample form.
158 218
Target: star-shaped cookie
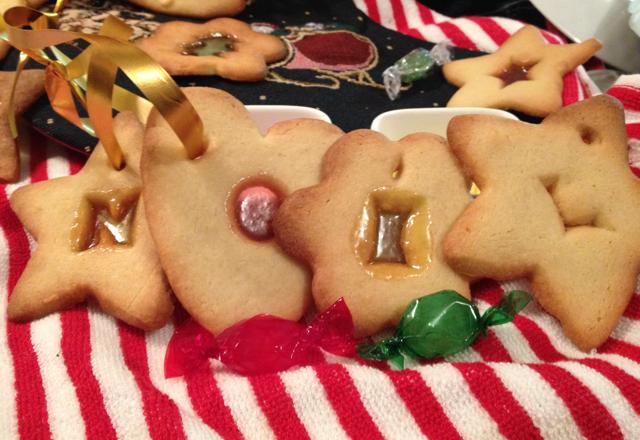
225 47
372 230
524 74
93 241
30 87
558 205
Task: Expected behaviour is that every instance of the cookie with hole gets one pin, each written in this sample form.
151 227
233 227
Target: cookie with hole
224 47
372 229
93 241
524 74
558 206
210 217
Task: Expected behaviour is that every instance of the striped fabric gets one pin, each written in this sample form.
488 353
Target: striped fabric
80 373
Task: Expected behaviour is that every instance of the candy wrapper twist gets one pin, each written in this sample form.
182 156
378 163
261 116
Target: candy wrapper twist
441 324
416 65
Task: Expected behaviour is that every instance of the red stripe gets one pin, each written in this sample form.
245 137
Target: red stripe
425 14
277 406
31 404
538 339
491 349
423 405
398 16
209 404
591 416
633 309
492 29
570 92
616 346
372 10
457 37
488 291
628 385
629 96
76 352
346 402
401 20
495 398
162 415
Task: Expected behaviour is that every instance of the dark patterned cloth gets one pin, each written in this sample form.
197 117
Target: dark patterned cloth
335 62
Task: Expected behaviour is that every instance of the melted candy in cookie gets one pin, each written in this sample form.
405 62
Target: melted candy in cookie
210 45
513 73
255 207
392 234
104 220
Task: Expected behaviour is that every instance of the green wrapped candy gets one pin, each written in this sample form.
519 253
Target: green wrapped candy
416 65
441 324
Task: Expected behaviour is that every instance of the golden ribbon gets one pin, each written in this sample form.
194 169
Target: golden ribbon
90 78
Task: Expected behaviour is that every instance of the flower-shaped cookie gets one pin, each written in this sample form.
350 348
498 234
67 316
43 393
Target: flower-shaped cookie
30 87
210 216
524 74
372 229
194 8
223 47
559 205
93 240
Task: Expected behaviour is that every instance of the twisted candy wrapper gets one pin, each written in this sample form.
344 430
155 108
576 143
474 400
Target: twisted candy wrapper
262 344
416 65
441 324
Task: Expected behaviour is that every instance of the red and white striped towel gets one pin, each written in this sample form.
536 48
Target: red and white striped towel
81 374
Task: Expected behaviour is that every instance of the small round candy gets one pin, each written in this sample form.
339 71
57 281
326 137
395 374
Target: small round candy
255 208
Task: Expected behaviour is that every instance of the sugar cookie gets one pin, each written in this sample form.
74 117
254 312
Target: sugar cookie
210 217
223 47
524 74
93 240
372 229
558 205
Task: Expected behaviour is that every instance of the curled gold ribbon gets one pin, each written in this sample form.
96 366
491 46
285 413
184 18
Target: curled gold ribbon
90 78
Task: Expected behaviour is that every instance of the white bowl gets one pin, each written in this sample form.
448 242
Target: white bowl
267 115
396 124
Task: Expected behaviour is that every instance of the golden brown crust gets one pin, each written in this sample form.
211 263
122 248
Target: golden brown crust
126 280
194 8
247 62
556 206
30 87
541 94
219 275
317 224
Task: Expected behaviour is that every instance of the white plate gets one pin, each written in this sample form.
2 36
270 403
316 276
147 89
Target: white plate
267 115
606 20
396 124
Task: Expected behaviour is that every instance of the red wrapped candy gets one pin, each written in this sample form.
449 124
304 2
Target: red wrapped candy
262 344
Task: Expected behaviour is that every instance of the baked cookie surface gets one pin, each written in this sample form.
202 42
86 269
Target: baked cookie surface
93 241
208 215
225 47
194 8
524 74
558 205
372 229
30 87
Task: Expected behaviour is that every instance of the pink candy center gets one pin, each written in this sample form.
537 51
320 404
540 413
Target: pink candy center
255 208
